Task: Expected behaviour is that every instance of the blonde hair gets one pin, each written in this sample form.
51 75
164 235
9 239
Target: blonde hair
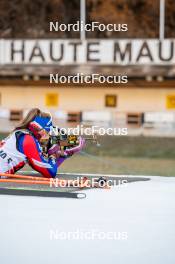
30 116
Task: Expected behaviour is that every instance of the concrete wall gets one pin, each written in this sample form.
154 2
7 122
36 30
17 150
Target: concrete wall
76 99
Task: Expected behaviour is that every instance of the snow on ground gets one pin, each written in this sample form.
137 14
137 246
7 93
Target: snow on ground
137 222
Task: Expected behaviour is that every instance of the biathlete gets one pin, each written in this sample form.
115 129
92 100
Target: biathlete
24 146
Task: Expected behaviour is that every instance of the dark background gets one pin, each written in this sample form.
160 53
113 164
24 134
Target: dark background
30 19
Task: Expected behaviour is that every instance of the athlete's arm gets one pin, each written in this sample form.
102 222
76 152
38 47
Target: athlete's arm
30 147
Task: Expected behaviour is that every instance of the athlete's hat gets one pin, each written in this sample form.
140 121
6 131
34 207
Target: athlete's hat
43 122
40 123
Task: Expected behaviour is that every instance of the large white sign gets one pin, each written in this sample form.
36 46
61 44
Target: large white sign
98 52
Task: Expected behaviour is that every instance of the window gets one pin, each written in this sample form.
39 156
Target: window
16 115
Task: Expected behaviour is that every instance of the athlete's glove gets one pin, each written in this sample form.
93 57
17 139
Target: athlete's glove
54 151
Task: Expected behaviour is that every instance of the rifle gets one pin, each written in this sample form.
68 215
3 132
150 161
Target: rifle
68 141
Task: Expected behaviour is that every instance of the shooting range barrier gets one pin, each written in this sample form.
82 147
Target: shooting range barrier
152 123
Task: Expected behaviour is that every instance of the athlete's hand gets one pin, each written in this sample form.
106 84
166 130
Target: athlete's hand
54 151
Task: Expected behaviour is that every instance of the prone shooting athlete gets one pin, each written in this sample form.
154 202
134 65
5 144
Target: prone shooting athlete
26 143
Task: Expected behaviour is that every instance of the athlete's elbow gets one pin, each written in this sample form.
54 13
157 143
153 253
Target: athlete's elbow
50 174
53 173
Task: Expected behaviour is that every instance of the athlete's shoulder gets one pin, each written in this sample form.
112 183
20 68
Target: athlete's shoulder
29 139
30 144
25 137
21 132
